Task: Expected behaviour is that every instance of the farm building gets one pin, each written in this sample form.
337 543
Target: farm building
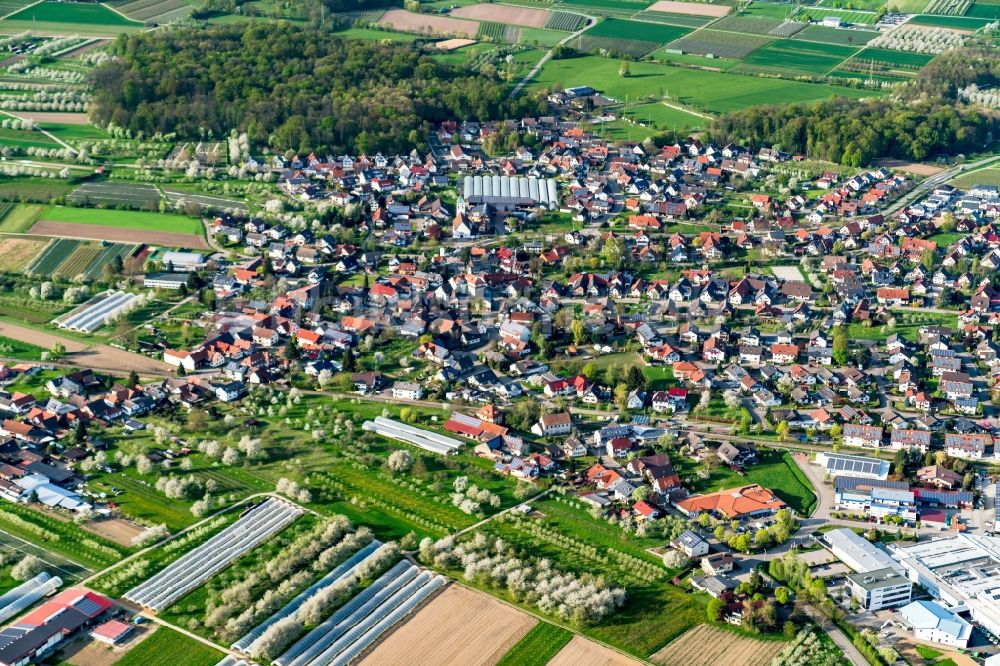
38 632
169 281
510 193
183 261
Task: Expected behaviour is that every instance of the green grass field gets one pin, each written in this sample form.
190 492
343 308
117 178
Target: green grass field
716 92
541 36
18 218
60 536
376 35
167 646
71 133
791 54
894 58
845 15
33 188
984 10
72 12
537 647
623 5
637 30
25 139
662 117
990 176
958 22
124 219
819 33
20 350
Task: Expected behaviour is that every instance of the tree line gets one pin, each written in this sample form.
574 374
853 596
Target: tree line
922 119
290 88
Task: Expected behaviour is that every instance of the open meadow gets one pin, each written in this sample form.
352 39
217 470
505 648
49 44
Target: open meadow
715 92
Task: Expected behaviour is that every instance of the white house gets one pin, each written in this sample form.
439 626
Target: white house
935 623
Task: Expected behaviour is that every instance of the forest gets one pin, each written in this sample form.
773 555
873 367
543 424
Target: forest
922 120
291 88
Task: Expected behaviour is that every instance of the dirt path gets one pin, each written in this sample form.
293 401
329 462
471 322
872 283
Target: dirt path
97 356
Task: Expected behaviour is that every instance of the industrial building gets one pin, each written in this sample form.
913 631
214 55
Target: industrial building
933 623
857 552
961 572
510 193
839 464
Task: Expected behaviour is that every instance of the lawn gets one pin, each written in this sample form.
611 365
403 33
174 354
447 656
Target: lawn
717 92
797 55
775 470
946 239
537 647
167 646
20 350
124 219
660 377
72 12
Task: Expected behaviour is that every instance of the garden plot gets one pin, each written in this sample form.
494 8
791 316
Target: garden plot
114 194
439 632
356 625
523 16
200 564
708 646
693 8
720 44
428 24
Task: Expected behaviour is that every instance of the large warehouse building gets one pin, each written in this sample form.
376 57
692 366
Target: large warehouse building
961 572
510 193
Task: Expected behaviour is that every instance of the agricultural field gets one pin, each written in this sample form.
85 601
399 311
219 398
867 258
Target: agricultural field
845 15
796 55
18 218
428 24
819 33
566 21
438 632
636 30
24 351
614 5
11 6
141 221
663 117
33 188
709 646
686 20
25 139
154 11
60 535
60 18
581 652
751 25
16 253
693 8
715 92
522 16
77 263
113 194
537 647
541 37
499 32
984 10
990 176
70 133
955 22
167 646
894 59
56 252
720 44
948 7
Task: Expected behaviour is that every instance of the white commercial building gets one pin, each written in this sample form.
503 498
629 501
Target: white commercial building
884 588
936 624
961 572
857 552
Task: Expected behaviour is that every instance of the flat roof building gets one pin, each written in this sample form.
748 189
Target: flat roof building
882 588
857 552
839 464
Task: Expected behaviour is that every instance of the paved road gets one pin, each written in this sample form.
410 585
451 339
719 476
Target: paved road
929 184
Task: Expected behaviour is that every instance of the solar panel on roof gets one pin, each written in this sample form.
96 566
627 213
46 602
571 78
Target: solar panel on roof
87 606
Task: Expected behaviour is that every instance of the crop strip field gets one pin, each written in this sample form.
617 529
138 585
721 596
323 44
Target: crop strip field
636 30
708 646
819 33
437 633
984 10
802 56
97 232
566 21
522 16
78 262
720 44
56 252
